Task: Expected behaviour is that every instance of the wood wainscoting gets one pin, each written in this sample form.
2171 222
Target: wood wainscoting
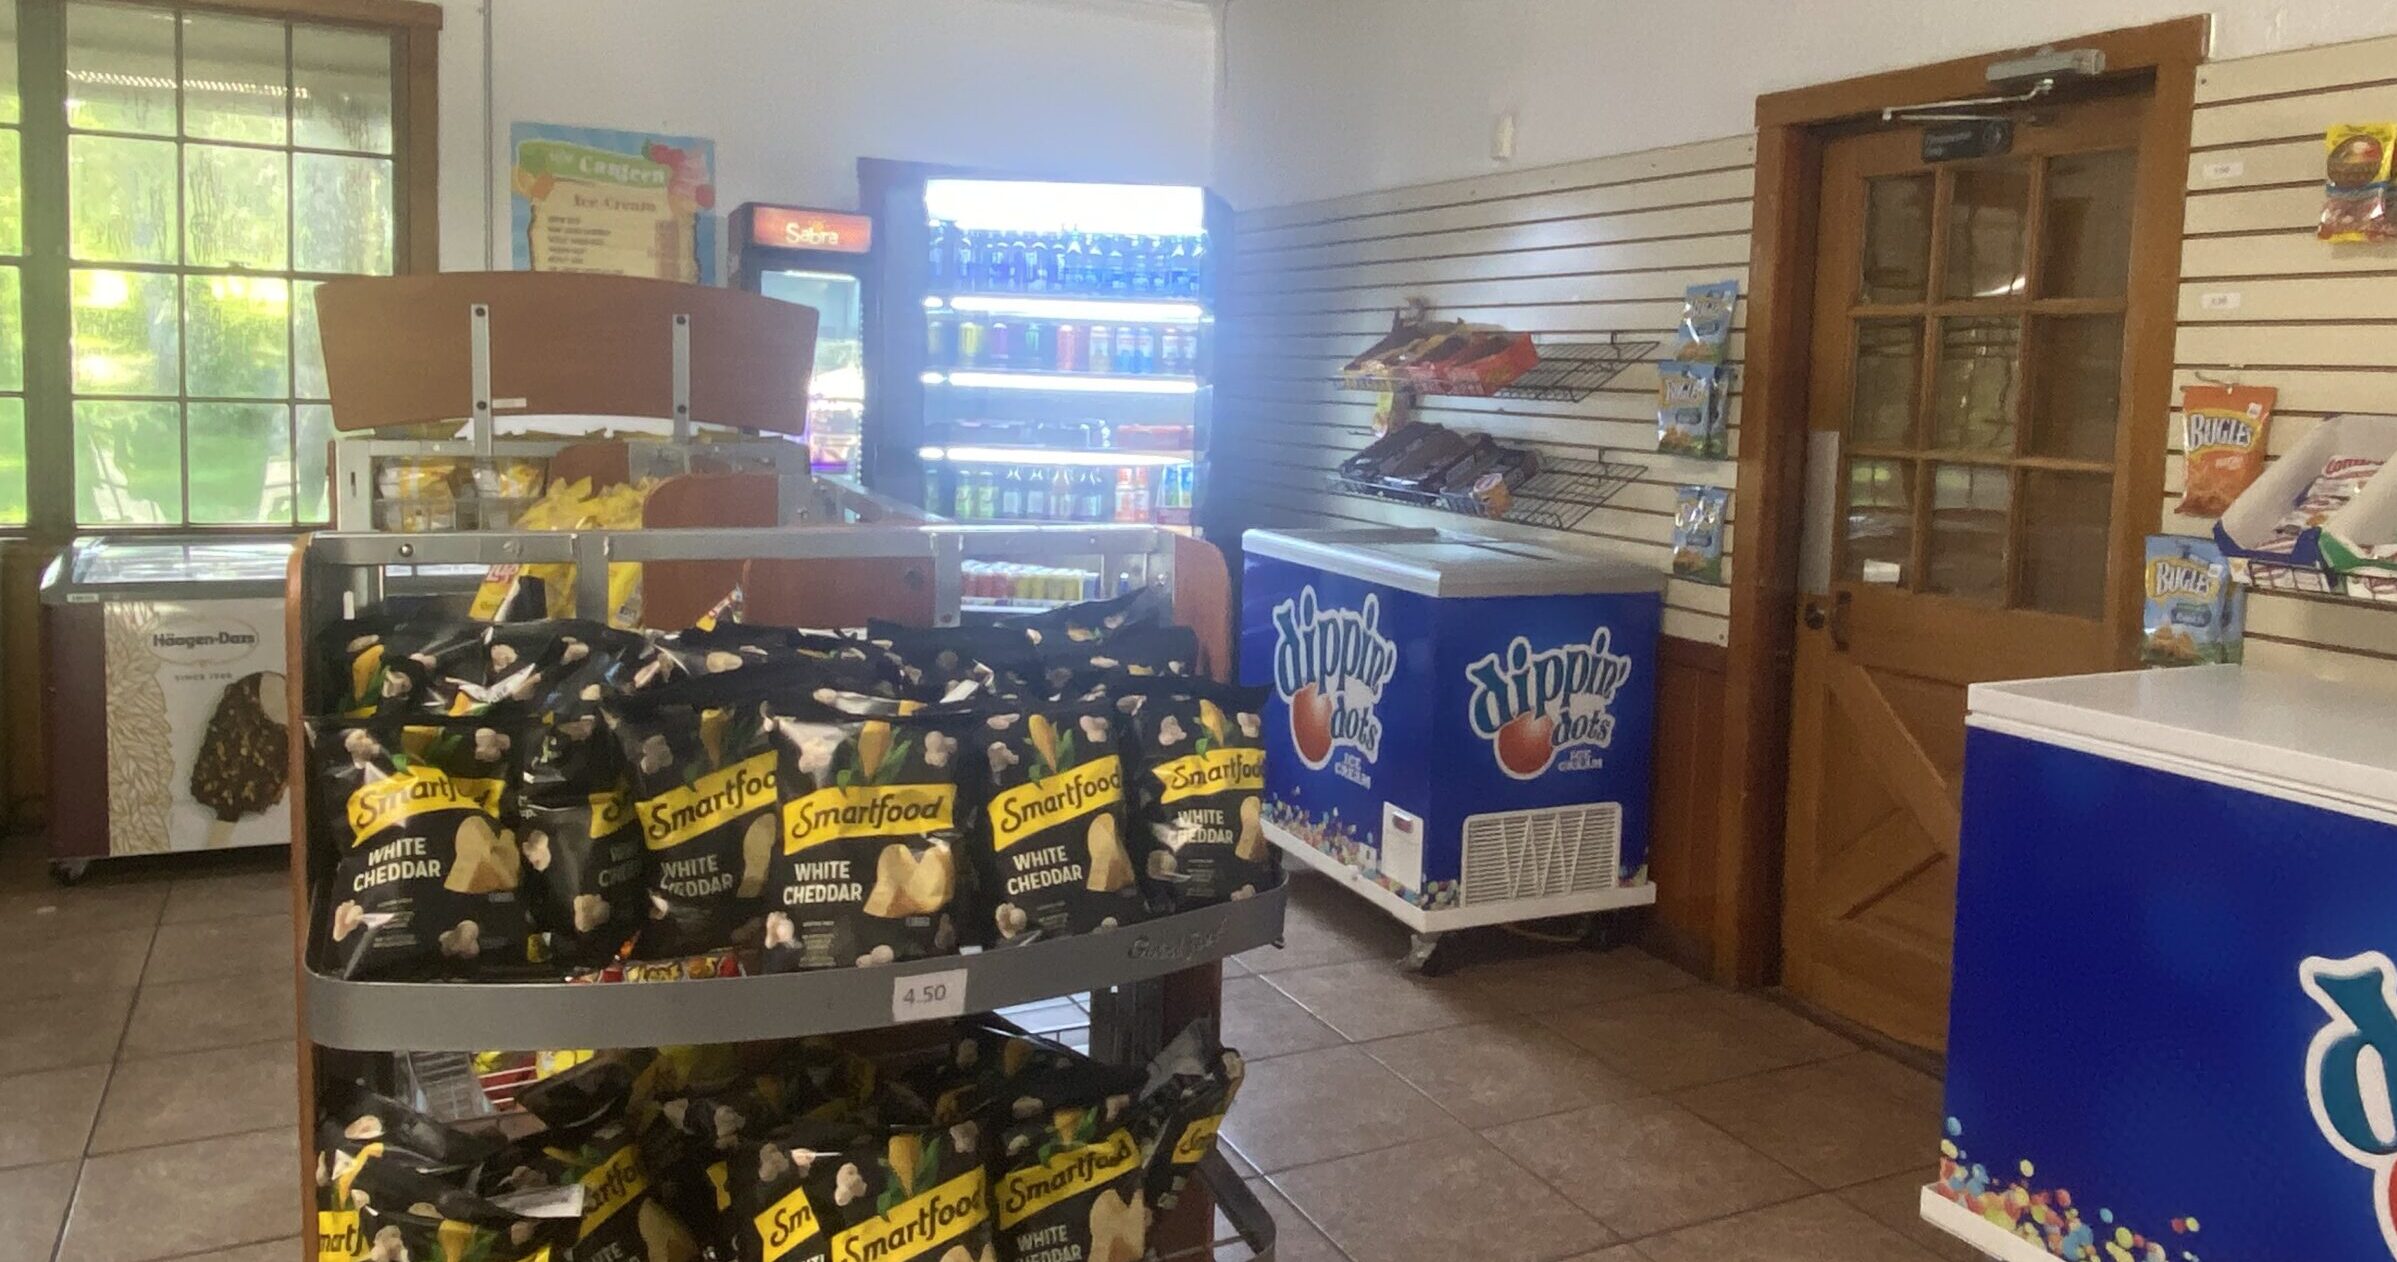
1685 819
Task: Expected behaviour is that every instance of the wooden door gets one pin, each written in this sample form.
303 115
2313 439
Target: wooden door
1966 520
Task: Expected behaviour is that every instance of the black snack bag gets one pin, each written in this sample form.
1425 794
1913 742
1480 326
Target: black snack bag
703 799
428 864
585 1095
621 1219
353 1119
1200 772
583 855
1189 1089
866 872
906 1195
932 660
1070 1184
1127 658
401 1214
377 663
774 1217
1096 620
1053 835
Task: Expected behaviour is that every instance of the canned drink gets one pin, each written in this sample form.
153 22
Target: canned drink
969 342
1102 353
1069 347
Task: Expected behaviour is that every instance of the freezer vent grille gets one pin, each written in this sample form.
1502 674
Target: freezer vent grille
1538 853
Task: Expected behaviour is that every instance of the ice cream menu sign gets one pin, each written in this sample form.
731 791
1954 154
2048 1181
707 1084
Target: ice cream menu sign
197 736
622 203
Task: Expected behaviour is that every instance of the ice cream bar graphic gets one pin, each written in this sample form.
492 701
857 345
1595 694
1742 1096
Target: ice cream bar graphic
242 765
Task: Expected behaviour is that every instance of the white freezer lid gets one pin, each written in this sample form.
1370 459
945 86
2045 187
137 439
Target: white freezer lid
2287 734
1453 562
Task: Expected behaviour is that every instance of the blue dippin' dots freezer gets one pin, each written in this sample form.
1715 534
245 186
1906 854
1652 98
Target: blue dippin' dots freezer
1460 727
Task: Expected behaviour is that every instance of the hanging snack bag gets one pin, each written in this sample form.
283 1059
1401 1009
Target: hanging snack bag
908 1195
2194 615
1069 1184
378 661
1053 832
702 774
428 867
1698 532
1706 321
1689 410
403 1216
866 869
1190 1087
1096 619
2223 442
1201 774
2355 187
352 1119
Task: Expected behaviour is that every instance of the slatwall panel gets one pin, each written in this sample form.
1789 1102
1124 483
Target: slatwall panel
2263 302
1562 253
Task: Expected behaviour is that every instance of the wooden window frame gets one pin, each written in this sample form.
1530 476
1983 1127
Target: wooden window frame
414 28
1791 130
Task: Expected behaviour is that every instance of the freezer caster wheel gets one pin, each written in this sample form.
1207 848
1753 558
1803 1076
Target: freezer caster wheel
1424 956
70 872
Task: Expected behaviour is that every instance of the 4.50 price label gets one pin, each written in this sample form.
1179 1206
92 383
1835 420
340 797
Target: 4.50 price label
928 996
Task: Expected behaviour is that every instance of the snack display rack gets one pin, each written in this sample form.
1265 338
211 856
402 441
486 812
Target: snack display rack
1567 372
1145 980
1563 493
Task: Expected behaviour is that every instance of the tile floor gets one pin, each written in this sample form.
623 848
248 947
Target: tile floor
1596 1108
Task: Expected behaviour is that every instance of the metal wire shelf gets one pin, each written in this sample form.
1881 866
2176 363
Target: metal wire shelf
1568 372
1560 496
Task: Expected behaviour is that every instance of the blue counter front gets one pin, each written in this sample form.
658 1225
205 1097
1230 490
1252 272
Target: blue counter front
2173 1031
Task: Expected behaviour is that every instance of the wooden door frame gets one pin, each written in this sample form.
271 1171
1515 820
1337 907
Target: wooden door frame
1791 128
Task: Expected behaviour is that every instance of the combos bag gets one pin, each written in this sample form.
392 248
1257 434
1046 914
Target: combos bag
866 869
2223 439
703 798
1053 830
1070 1185
428 870
1190 1088
1201 773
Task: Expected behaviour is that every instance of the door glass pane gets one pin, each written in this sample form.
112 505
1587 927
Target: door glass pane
2076 400
2064 536
1972 398
344 89
1897 238
1986 214
233 207
127 339
12 462
121 200
1889 364
1880 526
128 463
233 85
307 347
240 462
10 111
314 487
2085 245
12 330
1966 555
344 214
236 331
121 68
12 195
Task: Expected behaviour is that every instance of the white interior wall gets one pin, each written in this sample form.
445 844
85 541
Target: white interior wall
1329 97
794 92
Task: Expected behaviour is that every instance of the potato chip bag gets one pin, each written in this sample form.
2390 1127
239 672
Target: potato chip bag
2223 444
703 798
1054 837
1070 1183
1200 776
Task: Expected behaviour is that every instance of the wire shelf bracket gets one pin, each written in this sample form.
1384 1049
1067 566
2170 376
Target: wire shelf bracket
1560 496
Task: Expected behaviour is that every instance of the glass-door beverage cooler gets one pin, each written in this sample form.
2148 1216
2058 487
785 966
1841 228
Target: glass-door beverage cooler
821 259
1060 335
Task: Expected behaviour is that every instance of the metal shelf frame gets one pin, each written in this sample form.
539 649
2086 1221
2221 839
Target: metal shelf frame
1560 496
1567 372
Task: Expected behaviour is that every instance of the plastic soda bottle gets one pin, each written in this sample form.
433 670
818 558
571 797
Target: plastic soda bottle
1102 352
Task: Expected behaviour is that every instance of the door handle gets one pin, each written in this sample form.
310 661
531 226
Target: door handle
1816 617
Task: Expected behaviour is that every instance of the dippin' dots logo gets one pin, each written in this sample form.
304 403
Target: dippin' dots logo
2351 1069
1330 665
1532 705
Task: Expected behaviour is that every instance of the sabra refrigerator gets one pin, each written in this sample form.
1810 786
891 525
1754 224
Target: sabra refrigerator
821 259
164 698
1045 347
1459 727
2173 1026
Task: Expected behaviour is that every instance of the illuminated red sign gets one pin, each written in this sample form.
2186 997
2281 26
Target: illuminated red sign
798 228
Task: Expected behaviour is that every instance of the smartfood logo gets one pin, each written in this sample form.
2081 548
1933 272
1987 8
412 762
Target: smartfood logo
2354 1095
1532 705
1330 664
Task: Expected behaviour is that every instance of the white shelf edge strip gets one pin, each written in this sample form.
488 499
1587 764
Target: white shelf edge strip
1094 309
1978 1232
981 379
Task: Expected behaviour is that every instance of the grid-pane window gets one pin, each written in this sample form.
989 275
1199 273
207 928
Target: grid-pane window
12 281
219 167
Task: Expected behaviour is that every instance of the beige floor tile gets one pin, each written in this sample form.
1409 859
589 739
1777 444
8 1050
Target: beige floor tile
1261 1021
1505 1071
77 1029
216 896
1328 925
1612 1253
48 911
1372 999
197 1095
1837 1122
287 1250
1643 1166
184 1198
1313 1106
47 1116
33 1202
1572 979
1896 1203
74 963
190 950
1818 1229
1437 1201
1295 1239
1682 1038
213 1012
